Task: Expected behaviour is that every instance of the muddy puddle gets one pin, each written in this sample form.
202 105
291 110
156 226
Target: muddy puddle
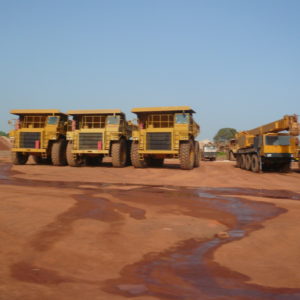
186 271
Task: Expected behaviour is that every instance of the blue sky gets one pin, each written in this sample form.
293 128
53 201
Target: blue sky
237 63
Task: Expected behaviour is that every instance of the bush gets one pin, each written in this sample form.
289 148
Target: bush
2 133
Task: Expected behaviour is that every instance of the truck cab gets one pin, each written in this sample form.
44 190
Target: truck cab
39 133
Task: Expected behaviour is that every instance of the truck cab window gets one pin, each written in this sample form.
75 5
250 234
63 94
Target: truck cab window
282 140
182 118
52 120
113 120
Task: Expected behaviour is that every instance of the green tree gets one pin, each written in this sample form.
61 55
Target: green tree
224 135
2 133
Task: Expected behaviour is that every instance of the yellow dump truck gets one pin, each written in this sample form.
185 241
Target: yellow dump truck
93 134
297 154
271 146
231 149
165 132
40 133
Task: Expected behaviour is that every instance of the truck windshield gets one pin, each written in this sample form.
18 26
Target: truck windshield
52 120
182 118
113 120
282 140
210 149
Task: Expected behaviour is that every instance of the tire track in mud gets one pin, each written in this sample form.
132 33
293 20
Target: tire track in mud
183 272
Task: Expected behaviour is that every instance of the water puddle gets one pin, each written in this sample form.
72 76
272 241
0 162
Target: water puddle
186 271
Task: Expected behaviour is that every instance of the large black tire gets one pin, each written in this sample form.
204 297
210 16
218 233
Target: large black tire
187 155
231 156
119 153
255 163
197 155
238 161
72 159
18 158
58 153
243 161
248 162
128 162
135 159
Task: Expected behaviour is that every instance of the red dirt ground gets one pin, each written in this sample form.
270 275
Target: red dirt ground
216 232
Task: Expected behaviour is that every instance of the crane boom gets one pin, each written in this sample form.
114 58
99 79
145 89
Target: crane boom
288 123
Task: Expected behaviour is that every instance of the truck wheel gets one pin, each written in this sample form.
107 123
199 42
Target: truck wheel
243 161
197 155
18 158
238 161
255 164
248 162
58 153
136 162
72 159
231 156
187 155
128 162
119 154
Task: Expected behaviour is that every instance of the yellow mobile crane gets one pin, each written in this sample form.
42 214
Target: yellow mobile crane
271 146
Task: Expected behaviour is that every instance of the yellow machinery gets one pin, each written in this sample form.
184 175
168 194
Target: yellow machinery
297 154
231 149
165 132
40 133
93 134
268 147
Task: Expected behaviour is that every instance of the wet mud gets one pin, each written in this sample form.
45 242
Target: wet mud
183 272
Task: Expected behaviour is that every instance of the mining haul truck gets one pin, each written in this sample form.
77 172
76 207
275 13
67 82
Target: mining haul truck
40 133
165 132
269 147
93 134
231 149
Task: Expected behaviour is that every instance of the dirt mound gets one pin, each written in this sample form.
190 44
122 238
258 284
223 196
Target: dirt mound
4 143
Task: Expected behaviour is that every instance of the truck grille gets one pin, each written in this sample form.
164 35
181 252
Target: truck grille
28 139
89 141
159 141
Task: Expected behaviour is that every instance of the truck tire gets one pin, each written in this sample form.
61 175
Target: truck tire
119 153
238 161
255 163
129 144
72 159
231 156
243 161
197 155
18 158
135 159
58 153
187 155
248 162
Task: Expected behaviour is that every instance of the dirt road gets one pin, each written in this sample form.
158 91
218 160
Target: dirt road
216 232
